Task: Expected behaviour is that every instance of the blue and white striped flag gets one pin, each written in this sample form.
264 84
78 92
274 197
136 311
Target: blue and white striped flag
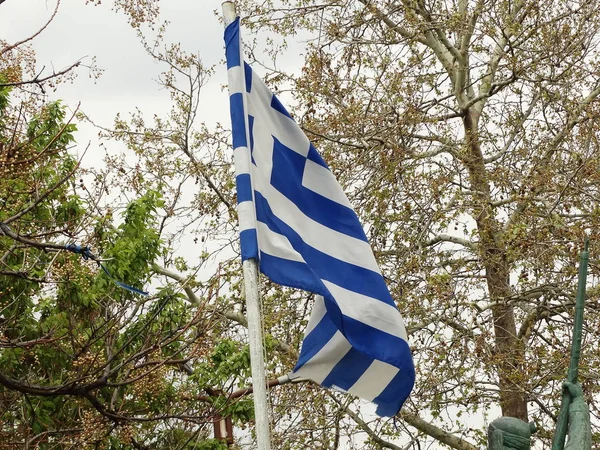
296 220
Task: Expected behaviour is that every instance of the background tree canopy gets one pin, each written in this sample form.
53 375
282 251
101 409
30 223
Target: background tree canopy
466 136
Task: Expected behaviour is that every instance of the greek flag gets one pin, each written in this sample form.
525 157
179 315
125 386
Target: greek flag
296 220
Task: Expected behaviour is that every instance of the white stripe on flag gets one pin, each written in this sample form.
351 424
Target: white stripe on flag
374 380
276 244
263 150
319 366
368 310
318 312
288 133
241 158
246 215
320 180
237 80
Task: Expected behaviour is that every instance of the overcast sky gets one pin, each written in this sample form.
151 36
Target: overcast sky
128 81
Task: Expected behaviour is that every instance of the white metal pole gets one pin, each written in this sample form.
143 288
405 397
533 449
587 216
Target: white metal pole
255 335
257 362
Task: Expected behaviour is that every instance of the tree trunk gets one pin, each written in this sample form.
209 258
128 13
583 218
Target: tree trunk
510 353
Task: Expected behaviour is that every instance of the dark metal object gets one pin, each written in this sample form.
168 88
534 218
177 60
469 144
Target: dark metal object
560 433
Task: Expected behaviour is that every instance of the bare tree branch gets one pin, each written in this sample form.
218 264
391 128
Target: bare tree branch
39 81
33 36
437 433
452 239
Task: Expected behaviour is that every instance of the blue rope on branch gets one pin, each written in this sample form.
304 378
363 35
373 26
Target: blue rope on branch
87 254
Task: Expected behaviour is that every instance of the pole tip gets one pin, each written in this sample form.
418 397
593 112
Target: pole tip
229 11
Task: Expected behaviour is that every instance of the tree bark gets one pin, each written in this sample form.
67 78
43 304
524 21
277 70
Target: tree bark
510 353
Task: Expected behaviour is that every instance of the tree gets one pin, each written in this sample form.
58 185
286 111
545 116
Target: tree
83 361
465 132
465 135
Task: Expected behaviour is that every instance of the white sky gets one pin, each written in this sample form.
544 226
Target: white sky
128 81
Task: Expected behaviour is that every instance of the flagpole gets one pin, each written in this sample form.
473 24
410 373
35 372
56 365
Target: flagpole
257 362
255 336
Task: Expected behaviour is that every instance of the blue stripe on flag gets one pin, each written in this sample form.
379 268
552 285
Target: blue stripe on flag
277 106
232 44
383 346
396 392
238 122
291 273
315 157
286 177
316 340
348 370
244 187
251 133
248 77
249 244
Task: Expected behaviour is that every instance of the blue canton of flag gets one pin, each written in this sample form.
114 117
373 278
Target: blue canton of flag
296 220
